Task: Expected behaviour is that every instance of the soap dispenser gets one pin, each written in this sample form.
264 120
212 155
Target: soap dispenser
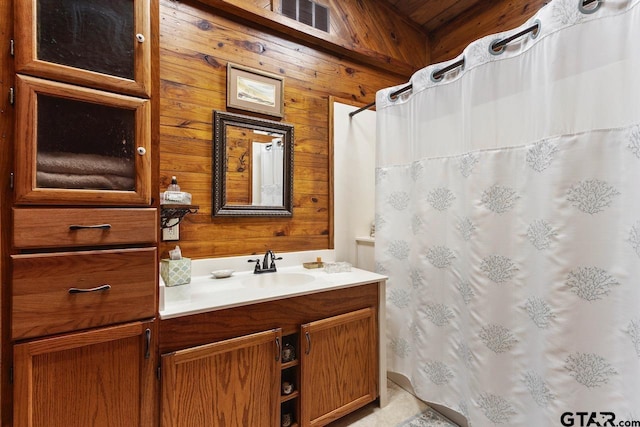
173 195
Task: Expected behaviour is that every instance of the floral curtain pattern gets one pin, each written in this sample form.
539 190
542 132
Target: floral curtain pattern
512 245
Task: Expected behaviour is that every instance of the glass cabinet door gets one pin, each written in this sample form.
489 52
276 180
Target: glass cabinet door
79 145
96 43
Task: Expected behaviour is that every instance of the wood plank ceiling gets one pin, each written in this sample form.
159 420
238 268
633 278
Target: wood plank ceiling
452 24
432 14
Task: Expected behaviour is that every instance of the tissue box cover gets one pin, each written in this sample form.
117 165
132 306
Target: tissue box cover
175 271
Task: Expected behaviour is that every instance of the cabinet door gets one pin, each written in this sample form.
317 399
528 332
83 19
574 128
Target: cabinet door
232 383
338 365
80 146
103 377
96 43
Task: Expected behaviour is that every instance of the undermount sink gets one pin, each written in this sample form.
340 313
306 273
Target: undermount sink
274 280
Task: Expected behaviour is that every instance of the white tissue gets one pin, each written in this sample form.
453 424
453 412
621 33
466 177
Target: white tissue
175 253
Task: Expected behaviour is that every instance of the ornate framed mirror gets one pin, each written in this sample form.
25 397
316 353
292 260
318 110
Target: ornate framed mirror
252 166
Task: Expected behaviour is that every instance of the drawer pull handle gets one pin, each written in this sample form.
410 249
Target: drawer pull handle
308 337
84 227
83 291
279 349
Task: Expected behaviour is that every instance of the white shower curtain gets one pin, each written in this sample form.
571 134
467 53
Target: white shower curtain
268 175
508 222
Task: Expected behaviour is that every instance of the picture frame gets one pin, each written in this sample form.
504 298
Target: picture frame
254 90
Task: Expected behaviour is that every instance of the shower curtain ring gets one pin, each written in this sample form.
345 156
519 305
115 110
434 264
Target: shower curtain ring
582 6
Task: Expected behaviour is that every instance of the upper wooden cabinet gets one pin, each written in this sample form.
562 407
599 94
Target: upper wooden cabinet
95 43
76 145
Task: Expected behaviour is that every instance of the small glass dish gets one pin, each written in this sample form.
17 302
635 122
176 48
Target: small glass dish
222 274
337 267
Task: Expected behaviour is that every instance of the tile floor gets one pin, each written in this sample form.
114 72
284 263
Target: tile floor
402 406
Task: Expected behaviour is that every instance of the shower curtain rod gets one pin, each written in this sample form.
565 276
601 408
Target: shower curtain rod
437 75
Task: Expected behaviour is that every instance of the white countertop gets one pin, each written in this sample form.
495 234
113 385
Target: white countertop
206 293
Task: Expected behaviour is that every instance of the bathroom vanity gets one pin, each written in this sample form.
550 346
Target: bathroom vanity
221 344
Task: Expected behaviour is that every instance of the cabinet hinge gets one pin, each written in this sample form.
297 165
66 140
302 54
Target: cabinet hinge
159 372
11 96
12 46
11 180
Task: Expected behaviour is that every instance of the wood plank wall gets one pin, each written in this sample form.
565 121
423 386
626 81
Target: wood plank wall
373 25
485 18
239 170
370 31
196 43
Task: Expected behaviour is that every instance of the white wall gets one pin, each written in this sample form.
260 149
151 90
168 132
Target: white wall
354 178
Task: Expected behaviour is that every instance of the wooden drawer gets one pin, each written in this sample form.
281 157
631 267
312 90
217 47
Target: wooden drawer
45 303
49 228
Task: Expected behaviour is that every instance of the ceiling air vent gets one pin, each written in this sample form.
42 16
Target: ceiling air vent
307 12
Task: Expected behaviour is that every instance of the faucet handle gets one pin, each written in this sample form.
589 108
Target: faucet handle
257 261
273 262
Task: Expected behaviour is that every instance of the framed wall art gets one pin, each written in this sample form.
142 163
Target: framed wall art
254 90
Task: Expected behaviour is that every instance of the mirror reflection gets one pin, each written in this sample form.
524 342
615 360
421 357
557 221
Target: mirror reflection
268 172
253 166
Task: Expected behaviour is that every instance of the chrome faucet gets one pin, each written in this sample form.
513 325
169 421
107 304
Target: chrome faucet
267 267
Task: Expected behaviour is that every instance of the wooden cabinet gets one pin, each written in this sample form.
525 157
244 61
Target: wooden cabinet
96 43
83 114
234 382
103 376
84 267
338 365
212 361
76 145
98 378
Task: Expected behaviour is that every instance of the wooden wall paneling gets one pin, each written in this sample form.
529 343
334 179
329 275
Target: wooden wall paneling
302 56
262 4
375 25
310 105
230 44
419 9
452 9
485 18
249 231
252 246
367 41
238 174
196 43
